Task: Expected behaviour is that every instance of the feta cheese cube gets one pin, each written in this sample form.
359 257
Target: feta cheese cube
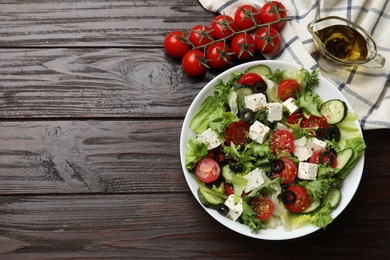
275 112
255 102
307 171
315 144
290 105
233 102
302 153
255 178
280 126
235 209
258 132
301 141
210 138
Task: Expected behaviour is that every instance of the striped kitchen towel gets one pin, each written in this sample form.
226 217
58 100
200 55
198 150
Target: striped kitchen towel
367 89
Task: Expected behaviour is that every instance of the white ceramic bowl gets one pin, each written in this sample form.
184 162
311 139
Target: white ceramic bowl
327 91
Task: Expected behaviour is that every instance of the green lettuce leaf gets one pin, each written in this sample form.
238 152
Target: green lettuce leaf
310 102
317 188
321 218
210 109
196 150
249 218
220 122
358 146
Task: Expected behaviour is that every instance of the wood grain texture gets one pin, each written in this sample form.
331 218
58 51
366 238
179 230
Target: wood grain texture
78 23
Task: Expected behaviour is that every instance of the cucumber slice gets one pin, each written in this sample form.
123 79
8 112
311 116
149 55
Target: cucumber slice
209 198
242 92
261 69
227 173
343 157
313 205
334 110
333 197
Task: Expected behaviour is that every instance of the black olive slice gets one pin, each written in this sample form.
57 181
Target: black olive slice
323 134
246 115
219 157
289 197
334 133
327 158
236 167
222 209
259 87
277 166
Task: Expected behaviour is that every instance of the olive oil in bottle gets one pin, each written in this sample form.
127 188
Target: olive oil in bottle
343 42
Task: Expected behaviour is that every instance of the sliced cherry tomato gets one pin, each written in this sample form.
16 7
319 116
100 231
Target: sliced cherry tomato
282 141
246 16
288 88
289 171
324 157
243 46
267 40
229 189
192 63
237 133
217 55
223 26
314 122
301 199
200 35
175 45
295 118
263 207
207 170
250 79
271 11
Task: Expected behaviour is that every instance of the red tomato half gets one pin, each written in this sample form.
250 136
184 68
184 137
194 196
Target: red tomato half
246 16
223 26
288 88
301 201
314 122
282 141
270 12
174 44
263 207
237 133
250 79
295 118
324 157
289 171
207 170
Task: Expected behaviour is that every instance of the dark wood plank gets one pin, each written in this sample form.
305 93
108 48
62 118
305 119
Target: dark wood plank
173 226
95 23
90 157
87 83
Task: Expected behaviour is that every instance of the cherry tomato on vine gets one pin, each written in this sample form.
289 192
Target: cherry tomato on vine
223 26
243 46
269 13
267 40
246 16
200 35
174 44
217 55
263 207
288 88
192 63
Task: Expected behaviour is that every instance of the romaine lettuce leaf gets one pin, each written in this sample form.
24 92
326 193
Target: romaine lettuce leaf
196 150
321 218
211 108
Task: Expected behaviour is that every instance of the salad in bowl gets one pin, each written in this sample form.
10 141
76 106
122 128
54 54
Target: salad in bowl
272 150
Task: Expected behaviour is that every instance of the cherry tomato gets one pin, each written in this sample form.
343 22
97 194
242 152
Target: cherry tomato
250 79
324 157
246 16
192 64
301 199
263 207
174 44
243 46
229 189
223 26
282 141
270 12
200 35
237 133
207 170
217 55
314 122
288 88
289 171
267 40
295 118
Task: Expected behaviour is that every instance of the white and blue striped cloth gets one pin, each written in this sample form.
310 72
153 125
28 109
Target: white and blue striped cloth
367 89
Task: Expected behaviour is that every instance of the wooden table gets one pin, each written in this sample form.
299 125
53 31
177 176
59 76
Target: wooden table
91 112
